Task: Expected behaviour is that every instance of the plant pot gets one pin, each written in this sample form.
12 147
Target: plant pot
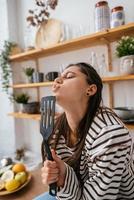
127 65
20 107
37 77
29 79
31 108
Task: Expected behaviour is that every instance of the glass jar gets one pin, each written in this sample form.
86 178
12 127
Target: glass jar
117 16
102 16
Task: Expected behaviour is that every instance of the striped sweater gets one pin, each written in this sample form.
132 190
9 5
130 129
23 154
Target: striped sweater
106 165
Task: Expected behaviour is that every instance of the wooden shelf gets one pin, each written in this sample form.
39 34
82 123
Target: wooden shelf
130 126
118 78
45 84
110 35
37 117
25 116
32 85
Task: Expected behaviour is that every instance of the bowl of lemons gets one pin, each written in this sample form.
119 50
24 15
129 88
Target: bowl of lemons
13 177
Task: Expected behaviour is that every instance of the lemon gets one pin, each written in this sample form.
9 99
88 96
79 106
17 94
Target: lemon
7 176
2 184
12 185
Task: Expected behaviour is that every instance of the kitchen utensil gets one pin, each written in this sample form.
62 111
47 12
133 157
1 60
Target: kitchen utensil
46 129
124 112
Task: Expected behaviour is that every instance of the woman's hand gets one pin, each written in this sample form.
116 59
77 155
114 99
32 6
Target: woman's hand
54 171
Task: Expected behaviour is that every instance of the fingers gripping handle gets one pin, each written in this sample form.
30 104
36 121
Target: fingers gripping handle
52 186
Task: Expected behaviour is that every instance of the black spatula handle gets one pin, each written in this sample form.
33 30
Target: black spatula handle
52 186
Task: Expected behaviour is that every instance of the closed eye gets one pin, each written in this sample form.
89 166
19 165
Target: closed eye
69 75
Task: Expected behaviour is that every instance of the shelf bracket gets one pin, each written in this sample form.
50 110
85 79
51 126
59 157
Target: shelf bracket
37 70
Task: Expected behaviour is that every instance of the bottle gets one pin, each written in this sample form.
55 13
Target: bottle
117 16
102 66
102 16
94 61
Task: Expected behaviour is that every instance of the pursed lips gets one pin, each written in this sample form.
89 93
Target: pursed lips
55 87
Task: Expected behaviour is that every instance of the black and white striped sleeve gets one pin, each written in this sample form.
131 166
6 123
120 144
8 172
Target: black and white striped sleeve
71 189
107 162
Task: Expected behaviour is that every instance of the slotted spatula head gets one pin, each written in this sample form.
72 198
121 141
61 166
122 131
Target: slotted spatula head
47 116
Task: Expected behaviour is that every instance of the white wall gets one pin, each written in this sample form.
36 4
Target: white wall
7 136
75 13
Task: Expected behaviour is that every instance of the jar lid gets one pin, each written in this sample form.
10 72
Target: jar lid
101 3
118 8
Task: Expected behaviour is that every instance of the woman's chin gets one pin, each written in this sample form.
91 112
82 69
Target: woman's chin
59 100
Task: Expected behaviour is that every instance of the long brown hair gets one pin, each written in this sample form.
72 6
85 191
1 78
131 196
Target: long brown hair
84 125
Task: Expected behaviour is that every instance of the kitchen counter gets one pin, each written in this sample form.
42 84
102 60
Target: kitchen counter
33 189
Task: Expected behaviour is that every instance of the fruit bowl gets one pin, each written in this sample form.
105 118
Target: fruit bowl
5 192
13 178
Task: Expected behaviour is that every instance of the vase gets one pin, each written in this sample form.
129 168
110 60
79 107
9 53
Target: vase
37 77
29 37
48 33
127 65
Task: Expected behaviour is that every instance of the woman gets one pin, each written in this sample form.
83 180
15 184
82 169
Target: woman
90 145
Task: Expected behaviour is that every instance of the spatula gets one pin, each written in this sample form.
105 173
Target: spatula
46 129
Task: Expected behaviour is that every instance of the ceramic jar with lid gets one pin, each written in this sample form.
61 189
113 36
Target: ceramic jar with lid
117 16
102 16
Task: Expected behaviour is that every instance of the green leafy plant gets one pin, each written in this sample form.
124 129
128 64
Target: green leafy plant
5 65
29 71
21 98
125 46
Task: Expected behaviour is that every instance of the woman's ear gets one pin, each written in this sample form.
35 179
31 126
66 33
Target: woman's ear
91 90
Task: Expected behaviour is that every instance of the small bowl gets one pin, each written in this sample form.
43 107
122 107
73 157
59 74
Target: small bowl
124 112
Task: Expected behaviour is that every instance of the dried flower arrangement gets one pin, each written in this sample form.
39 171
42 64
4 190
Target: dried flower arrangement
42 12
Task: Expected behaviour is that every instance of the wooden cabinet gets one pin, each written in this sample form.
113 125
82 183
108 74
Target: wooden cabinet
101 38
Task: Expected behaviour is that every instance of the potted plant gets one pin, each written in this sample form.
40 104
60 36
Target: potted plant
125 51
6 71
29 72
21 99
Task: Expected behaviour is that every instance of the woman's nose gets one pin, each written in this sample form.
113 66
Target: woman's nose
59 80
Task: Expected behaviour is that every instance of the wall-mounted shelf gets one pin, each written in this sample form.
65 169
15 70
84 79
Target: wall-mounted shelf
118 78
46 84
25 116
31 85
37 117
110 35
130 126
105 37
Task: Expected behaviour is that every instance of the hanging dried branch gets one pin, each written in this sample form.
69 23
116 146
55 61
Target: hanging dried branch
42 12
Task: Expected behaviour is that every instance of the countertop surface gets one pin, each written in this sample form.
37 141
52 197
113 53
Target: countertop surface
31 190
